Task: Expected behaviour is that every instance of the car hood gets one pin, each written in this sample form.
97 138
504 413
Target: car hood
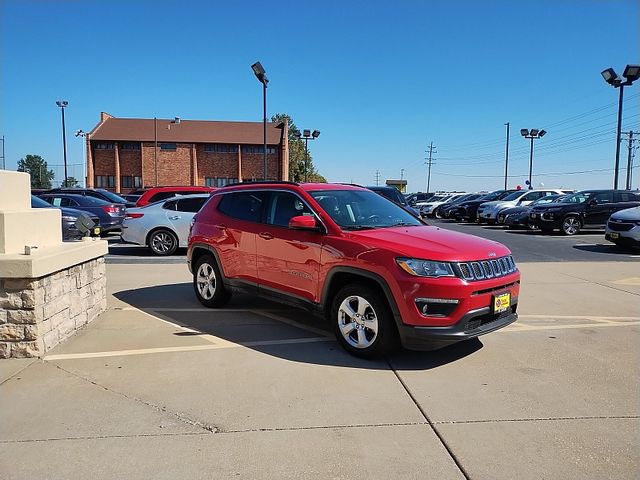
431 243
627 214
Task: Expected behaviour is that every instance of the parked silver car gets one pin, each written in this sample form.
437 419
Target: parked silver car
162 226
623 227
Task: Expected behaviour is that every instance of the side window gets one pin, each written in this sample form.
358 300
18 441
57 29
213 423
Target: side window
55 201
603 197
628 197
530 197
243 205
161 196
283 207
72 202
192 205
171 205
93 194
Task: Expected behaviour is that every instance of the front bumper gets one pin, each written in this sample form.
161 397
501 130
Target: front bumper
545 220
629 237
473 324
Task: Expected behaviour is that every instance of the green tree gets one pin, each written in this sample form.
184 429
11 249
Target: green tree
297 153
70 182
36 166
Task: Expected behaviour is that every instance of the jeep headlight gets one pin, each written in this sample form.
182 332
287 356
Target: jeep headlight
425 268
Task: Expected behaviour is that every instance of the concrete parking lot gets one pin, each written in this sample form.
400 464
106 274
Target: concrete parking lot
160 387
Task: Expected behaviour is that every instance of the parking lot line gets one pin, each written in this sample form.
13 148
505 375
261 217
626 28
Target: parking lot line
224 344
580 317
530 328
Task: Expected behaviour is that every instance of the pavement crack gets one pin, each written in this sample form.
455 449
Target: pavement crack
601 284
324 427
431 424
180 416
538 419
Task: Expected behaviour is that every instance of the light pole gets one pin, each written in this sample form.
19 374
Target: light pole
506 159
308 135
4 166
631 73
261 75
84 135
533 134
62 104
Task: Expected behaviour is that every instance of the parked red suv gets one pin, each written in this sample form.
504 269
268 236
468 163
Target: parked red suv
378 273
155 194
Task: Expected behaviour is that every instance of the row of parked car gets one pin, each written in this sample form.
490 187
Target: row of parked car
99 211
618 211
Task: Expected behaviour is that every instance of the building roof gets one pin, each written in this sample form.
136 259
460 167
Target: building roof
187 131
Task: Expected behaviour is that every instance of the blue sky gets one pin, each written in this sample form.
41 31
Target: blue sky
379 79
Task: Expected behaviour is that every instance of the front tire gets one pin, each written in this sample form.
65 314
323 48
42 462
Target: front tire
437 213
362 322
571 225
207 283
163 242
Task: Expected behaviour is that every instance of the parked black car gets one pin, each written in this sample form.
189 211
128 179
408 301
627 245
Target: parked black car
585 209
447 209
395 196
518 217
70 217
100 193
110 214
468 210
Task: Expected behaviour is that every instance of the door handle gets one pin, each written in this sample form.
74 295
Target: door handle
265 235
175 217
221 226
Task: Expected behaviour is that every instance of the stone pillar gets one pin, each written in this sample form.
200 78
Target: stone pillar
117 166
194 165
90 171
239 163
48 289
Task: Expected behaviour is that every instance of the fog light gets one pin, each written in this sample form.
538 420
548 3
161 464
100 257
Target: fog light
436 307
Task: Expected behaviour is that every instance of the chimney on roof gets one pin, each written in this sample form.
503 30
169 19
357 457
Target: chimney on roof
104 116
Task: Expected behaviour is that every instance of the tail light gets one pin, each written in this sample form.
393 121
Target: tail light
134 215
111 210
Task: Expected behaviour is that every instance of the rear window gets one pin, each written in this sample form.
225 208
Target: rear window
629 197
192 205
245 206
161 196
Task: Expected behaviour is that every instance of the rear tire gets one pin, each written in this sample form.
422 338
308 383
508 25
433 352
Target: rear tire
437 213
207 283
163 242
363 322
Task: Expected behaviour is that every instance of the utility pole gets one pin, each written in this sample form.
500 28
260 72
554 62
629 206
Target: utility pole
630 156
377 177
401 174
506 159
429 163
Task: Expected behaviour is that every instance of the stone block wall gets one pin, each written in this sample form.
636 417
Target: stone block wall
36 314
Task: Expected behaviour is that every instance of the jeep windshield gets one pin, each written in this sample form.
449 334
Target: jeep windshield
362 209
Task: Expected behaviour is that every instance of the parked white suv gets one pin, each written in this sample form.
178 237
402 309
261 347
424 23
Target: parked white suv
488 212
623 227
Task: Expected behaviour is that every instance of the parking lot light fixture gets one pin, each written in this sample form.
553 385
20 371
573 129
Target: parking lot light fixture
307 134
631 74
261 75
532 134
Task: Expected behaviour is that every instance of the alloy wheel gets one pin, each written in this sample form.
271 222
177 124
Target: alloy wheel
571 226
358 322
162 242
206 281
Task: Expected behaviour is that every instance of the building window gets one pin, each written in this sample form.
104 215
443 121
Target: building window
105 181
130 146
168 146
258 149
220 148
127 181
104 145
219 181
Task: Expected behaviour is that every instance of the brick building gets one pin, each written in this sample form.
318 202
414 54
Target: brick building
124 154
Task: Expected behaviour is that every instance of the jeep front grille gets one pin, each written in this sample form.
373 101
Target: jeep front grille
486 269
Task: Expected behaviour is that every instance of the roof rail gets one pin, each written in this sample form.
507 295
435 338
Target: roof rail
261 182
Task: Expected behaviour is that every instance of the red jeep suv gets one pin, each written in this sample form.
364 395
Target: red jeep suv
379 274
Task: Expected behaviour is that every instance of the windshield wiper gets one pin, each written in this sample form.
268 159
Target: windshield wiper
358 227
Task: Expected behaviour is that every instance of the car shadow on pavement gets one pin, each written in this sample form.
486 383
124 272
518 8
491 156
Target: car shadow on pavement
608 248
273 329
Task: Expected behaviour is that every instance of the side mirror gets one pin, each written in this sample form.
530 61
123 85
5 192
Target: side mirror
303 222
